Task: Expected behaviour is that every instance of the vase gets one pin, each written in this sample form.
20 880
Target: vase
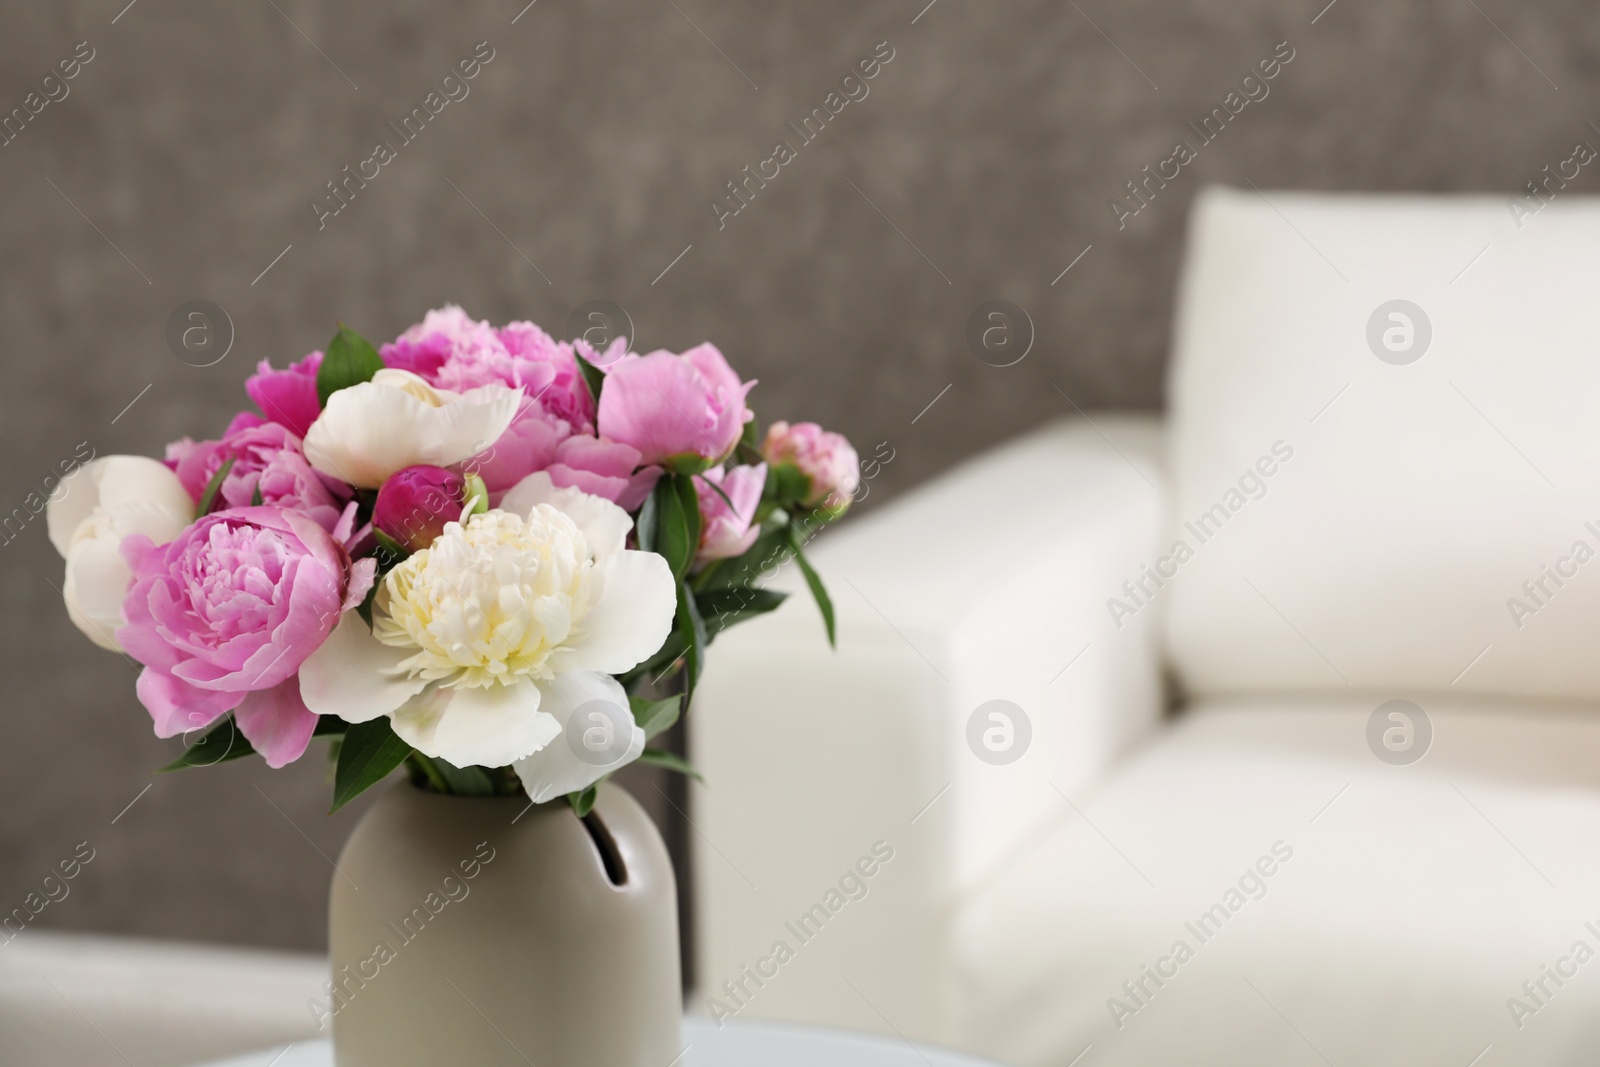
486 931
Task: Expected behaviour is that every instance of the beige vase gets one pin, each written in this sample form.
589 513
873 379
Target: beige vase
483 931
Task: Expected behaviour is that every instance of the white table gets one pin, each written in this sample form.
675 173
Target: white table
736 1044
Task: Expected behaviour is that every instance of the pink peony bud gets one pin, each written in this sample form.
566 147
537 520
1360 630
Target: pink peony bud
728 528
415 503
825 464
685 412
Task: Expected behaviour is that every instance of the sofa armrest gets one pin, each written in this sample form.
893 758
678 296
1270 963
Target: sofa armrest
89 1000
989 583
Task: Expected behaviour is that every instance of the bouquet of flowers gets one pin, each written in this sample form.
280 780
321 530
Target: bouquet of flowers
490 556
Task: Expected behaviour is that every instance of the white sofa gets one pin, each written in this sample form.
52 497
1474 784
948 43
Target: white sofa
1199 769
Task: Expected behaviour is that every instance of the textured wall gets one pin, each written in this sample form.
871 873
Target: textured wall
585 160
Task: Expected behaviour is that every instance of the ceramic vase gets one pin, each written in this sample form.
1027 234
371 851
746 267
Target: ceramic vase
482 930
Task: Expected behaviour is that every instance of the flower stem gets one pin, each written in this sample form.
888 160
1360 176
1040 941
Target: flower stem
423 766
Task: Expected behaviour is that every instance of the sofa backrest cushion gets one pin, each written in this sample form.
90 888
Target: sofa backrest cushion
1385 445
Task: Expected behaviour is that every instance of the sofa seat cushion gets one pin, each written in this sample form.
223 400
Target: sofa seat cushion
1333 906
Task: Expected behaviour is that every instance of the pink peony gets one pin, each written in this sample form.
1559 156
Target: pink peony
547 371
554 429
266 456
684 411
529 444
537 442
603 468
456 352
442 334
729 531
288 397
414 505
223 616
826 462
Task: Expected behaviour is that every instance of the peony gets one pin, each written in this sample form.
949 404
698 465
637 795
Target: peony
608 469
288 397
90 513
397 420
415 504
266 458
685 412
224 615
523 356
484 644
442 334
728 531
529 444
554 425
457 352
825 462
535 443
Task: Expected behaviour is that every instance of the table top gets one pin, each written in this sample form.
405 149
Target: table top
735 1044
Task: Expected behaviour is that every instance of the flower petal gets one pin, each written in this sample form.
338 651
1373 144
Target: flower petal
605 526
556 769
277 722
477 727
288 397
111 483
371 430
178 707
98 574
602 468
473 421
96 583
354 675
632 616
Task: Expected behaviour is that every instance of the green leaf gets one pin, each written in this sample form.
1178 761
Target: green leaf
330 726
391 548
689 503
660 757
678 522
221 743
593 377
349 360
721 608
692 630
364 609
664 657
370 751
647 522
769 550
209 497
255 497
583 803
655 716
706 575
814 581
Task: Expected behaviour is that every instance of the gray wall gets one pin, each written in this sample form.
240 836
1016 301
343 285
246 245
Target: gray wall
189 150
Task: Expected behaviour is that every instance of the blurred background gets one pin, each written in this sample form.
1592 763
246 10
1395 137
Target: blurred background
586 162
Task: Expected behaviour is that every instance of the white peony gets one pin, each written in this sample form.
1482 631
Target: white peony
90 513
368 431
485 643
